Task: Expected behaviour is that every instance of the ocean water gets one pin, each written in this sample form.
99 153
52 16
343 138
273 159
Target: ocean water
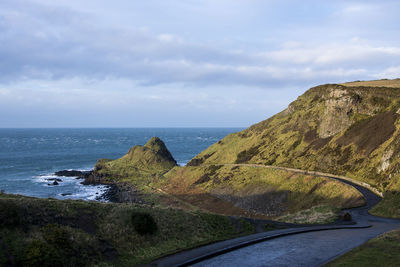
29 157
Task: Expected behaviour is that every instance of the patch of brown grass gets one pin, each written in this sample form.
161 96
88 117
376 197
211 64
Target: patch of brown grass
370 133
377 83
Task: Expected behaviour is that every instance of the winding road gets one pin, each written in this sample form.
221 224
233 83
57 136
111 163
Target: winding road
307 246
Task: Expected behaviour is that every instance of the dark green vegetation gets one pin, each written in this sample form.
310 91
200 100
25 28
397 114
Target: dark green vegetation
144 223
381 251
46 232
351 129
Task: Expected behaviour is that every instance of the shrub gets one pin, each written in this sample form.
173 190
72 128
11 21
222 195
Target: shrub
347 217
10 214
246 155
39 253
144 223
55 235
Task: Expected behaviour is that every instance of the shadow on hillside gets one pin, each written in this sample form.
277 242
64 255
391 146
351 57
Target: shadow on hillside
259 206
389 206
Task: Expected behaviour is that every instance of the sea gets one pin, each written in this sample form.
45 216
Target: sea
30 157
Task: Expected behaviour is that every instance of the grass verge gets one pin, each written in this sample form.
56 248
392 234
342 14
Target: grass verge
315 215
383 250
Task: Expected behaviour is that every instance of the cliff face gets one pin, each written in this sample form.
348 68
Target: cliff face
342 129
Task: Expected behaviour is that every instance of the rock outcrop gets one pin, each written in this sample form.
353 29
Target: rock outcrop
137 168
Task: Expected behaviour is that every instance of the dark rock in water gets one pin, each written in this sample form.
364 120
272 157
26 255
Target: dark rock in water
53 183
66 194
54 179
73 173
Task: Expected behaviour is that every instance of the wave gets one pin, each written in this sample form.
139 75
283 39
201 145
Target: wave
70 188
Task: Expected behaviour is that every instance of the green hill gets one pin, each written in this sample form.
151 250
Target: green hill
138 166
347 129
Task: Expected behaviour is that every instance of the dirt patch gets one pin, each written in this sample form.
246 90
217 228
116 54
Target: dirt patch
203 179
315 141
370 133
247 155
199 161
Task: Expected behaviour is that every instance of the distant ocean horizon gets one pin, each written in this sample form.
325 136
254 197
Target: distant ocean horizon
29 157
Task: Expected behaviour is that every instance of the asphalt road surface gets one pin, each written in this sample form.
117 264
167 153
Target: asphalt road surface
313 248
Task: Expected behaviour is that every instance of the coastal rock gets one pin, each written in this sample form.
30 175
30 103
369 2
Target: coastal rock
142 164
72 173
54 179
53 183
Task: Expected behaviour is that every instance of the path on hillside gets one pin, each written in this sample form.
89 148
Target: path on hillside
309 246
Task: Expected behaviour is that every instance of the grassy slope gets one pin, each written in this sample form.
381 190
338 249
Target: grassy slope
321 214
139 166
45 232
345 130
381 251
242 191
256 192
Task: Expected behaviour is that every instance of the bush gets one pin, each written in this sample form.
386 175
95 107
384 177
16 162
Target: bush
57 236
39 253
144 223
347 217
10 214
246 155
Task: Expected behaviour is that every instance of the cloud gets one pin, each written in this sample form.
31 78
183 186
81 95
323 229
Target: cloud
174 63
389 73
52 43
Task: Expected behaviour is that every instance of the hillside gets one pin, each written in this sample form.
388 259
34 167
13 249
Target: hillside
138 166
256 192
49 232
148 174
347 129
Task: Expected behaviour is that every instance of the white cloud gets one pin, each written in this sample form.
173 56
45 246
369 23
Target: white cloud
389 73
130 55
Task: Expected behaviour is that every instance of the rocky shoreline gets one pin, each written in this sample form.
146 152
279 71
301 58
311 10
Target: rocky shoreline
116 192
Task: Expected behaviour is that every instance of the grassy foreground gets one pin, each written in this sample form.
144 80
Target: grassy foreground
381 251
48 232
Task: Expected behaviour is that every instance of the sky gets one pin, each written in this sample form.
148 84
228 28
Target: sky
183 63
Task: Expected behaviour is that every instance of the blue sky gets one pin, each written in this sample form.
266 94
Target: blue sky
187 63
